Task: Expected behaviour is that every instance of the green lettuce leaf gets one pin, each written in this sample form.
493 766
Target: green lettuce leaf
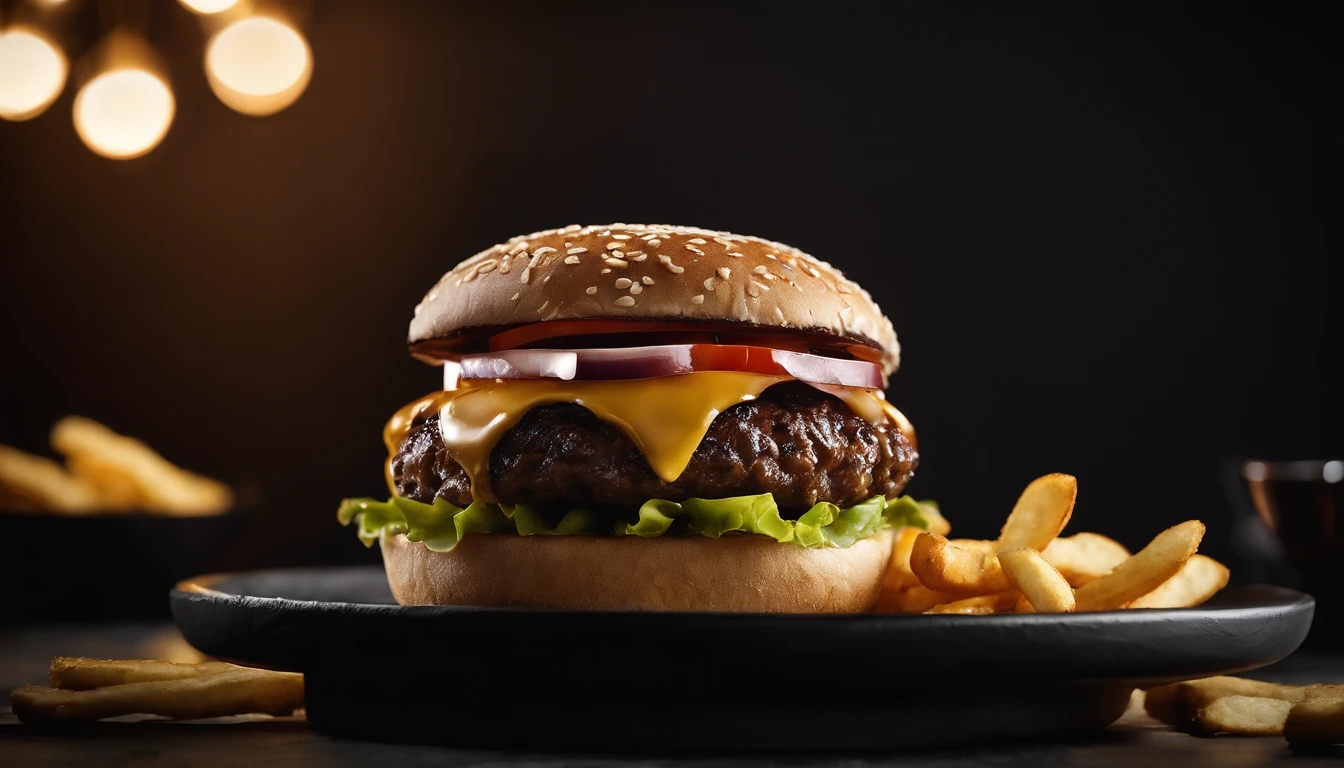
441 525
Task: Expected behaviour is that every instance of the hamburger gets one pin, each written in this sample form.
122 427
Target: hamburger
646 417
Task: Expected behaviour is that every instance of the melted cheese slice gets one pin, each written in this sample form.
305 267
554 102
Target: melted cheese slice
665 417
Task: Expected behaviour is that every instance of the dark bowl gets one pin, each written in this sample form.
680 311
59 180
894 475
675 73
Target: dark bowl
119 565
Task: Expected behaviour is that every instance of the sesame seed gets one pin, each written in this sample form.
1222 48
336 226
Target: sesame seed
786 266
504 268
518 247
546 279
527 273
752 289
620 237
633 254
655 242
515 296
721 241
542 250
535 258
813 272
698 299
568 243
772 256
694 250
646 280
697 241
761 270
470 276
625 301
623 283
771 276
724 272
779 315
616 263
543 306
636 289
571 259
710 282
487 267
572 251
735 254
762 286
613 246
642 256
842 288
606 271
590 290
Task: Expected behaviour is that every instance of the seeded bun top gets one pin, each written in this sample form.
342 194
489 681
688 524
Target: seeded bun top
650 272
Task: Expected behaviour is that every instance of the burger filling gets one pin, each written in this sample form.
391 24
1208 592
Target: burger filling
798 448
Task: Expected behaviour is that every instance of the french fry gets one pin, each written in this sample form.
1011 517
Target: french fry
898 575
1177 703
1082 557
940 566
1199 579
1040 513
120 463
235 692
937 523
1316 721
28 481
1244 716
1038 581
916 599
1143 572
79 674
1001 602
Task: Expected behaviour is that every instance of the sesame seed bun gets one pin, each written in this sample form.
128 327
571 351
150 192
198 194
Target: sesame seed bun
734 573
649 272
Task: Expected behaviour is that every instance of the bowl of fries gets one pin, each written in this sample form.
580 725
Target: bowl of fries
127 523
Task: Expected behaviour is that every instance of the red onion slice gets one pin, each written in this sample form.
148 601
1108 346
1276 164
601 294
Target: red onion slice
667 360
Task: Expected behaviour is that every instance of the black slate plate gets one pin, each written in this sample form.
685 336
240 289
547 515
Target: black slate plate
558 679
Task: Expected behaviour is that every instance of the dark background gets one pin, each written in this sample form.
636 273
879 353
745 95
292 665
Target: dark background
1103 235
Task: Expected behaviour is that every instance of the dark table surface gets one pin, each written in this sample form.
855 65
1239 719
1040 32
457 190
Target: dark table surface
248 741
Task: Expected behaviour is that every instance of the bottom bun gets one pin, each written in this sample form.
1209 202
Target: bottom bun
746 574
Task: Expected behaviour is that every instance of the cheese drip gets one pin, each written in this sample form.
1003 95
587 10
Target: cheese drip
666 417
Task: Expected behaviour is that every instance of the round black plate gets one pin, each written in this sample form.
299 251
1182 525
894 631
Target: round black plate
561 679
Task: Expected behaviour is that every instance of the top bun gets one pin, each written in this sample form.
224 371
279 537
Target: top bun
649 272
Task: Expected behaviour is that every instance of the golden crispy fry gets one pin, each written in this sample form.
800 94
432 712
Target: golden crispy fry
939 565
972 545
937 523
898 575
1038 581
115 489
1001 602
28 481
236 692
77 674
1143 572
916 599
1199 579
1040 513
123 463
1176 704
1244 716
1316 721
1082 557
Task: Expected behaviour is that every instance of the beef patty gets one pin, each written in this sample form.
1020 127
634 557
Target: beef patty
794 441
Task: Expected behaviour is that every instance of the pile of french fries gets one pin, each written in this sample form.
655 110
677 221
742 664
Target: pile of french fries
1030 568
104 472
84 690
1303 714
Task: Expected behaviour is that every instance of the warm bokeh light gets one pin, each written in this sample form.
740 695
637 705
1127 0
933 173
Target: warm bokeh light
208 6
32 73
124 113
258 66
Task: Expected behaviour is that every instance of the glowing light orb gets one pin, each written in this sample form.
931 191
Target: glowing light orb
32 74
258 66
124 113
